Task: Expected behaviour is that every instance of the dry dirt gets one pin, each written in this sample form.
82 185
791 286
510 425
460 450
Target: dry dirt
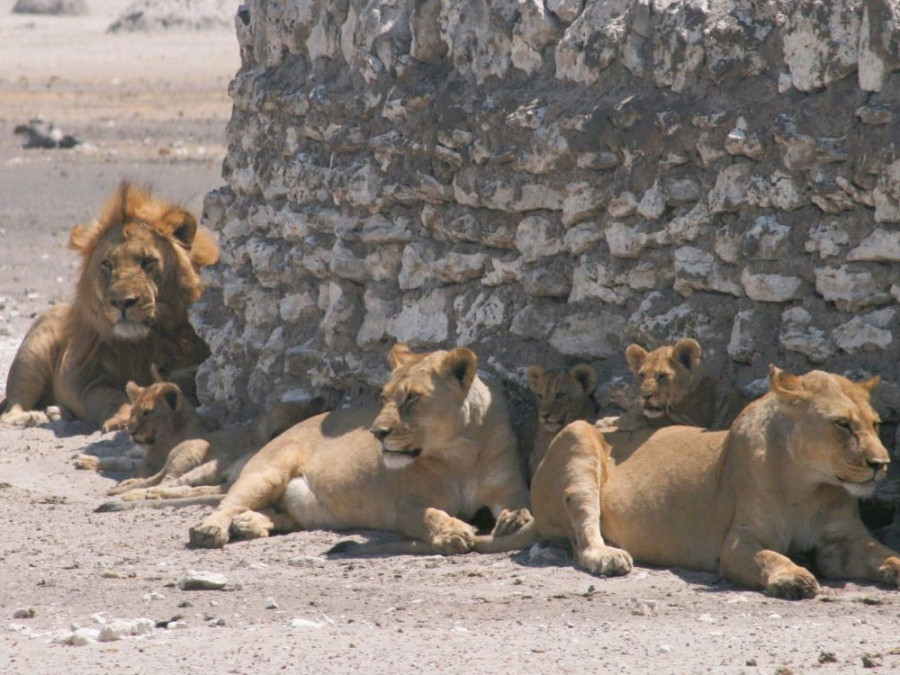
154 109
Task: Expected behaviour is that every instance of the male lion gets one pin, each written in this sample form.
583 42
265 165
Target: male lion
198 461
563 397
140 273
785 479
673 388
440 448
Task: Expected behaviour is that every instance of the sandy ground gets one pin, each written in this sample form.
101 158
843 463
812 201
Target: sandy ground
154 109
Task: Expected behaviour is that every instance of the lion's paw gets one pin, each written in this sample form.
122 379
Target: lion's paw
208 534
606 561
890 571
87 462
252 525
457 537
511 521
24 418
798 584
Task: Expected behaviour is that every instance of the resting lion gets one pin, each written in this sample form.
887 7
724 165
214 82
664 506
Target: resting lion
785 479
140 273
197 461
439 448
563 397
674 388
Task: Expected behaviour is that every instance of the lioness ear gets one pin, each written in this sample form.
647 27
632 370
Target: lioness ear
585 376
786 385
133 391
172 396
80 237
461 364
400 354
635 355
534 374
687 353
871 384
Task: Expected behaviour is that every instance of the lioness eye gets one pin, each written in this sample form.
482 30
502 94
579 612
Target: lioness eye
410 399
843 424
560 395
106 265
148 263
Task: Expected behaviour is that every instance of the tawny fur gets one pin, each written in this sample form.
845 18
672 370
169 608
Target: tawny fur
140 273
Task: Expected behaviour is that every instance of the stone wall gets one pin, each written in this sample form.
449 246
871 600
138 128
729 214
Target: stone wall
549 180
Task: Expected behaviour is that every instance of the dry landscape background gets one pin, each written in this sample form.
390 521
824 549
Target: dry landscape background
153 108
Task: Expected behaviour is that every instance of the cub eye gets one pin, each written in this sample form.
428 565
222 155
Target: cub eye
106 265
410 399
560 395
145 412
662 377
149 263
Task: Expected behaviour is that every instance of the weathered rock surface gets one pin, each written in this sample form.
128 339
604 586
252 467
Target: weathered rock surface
548 181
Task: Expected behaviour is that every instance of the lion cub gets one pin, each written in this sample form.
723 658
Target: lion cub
563 397
673 388
196 460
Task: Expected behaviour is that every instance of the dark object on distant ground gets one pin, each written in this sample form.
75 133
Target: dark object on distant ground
41 134
51 7
154 16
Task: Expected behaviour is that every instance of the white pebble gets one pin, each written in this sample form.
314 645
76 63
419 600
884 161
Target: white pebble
271 604
306 561
304 623
196 580
665 649
153 595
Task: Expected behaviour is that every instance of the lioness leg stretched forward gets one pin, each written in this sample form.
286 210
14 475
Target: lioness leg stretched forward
439 448
784 479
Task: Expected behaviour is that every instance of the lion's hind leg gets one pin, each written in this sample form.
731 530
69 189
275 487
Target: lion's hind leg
30 379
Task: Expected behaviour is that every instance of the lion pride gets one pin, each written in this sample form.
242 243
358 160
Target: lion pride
140 273
785 479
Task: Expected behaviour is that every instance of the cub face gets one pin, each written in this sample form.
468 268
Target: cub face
153 411
423 403
562 395
665 375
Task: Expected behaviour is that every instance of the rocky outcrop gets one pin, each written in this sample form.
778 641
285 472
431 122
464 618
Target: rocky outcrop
548 181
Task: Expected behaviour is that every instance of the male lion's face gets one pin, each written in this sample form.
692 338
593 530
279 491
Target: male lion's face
664 375
424 403
563 396
153 411
836 429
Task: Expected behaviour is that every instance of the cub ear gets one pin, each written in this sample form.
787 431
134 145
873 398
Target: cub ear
80 238
635 355
787 386
399 354
155 374
585 376
461 364
534 374
687 353
871 384
134 391
172 396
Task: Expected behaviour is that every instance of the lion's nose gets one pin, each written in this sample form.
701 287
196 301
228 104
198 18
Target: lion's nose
380 433
123 304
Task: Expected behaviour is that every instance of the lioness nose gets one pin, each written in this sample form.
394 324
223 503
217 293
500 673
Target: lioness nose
379 433
876 464
123 303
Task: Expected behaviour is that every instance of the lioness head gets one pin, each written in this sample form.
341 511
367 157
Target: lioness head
140 265
425 402
563 396
835 429
664 375
153 411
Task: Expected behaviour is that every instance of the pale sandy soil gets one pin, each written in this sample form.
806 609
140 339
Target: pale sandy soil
154 108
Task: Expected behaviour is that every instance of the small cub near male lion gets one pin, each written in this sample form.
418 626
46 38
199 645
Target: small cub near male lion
140 273
783 480
439 448
675 388
197 460
564 396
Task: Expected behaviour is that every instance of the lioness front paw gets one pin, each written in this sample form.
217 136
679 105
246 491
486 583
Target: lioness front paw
510 521
890 571
209 533
795 585
135 495
252 525
87 463
606 561
123 486
458 537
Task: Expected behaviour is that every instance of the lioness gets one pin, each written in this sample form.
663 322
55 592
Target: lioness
140 273
784 479
674 388
440 447
197 460
563 397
